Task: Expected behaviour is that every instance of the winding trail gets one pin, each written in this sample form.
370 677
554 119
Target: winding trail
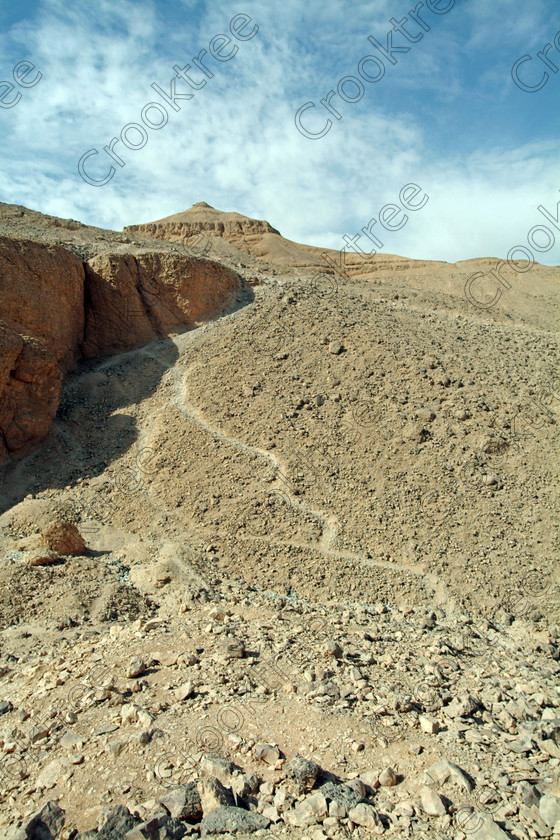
326 546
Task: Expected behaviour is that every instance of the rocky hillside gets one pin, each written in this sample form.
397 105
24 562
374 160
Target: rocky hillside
90 296
231 236
293 573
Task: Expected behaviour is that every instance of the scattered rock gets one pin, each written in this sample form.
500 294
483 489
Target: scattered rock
136 667
366 816
230 820
549 809
432 803
308 811
44 824
388 777
183 692
40 557
443 771
267 753
302 771
234 648
213 794
183 802
63 538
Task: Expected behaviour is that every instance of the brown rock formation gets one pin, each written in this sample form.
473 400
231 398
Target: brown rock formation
245 233
62 538
132 300
30 381
41 294
56 307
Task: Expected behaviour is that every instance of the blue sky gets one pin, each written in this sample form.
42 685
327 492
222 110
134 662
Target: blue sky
447 116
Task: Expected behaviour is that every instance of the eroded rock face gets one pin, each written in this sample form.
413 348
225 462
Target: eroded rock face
30 382
55 309
41 307
202 218
42 294
132 300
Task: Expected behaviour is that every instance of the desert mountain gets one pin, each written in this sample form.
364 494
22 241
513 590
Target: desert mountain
284 554
261 240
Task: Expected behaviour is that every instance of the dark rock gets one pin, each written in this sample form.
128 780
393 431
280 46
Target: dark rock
117 820
5 706
342 794
303 772
228 819
183 802
46 824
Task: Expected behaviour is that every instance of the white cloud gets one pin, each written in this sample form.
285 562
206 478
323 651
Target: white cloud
235 144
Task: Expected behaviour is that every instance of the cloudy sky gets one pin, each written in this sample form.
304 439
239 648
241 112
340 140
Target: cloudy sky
446 115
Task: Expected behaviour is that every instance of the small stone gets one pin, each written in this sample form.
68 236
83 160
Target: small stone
309 811
245 784
335 347
303 772
183 802
331 648
5 706
165 657
228 819
444 770
266 753
388 777
415 749
357 785
283 801
366 816
233 648
463 706
37 733
136 666
432 803
40 557
549 809
215 765
213 795
184 691
428 724
63 538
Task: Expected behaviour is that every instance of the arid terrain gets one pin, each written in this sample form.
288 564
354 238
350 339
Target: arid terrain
260 501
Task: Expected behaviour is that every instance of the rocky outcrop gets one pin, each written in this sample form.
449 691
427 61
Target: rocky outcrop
30 382
41 295
203 219
54 309
132 300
